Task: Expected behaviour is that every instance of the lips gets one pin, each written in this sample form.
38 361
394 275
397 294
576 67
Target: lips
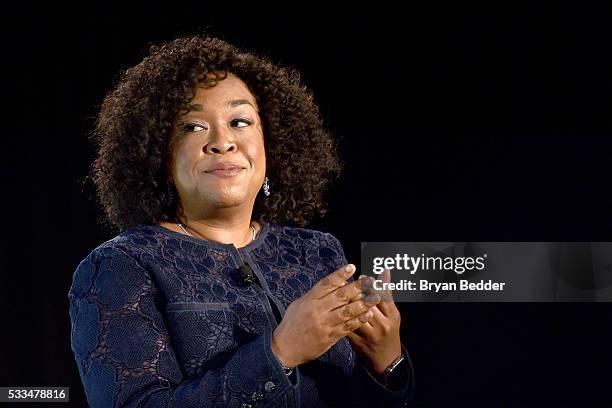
224 169
224 166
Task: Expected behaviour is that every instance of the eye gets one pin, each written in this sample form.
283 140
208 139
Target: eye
240 123
193 127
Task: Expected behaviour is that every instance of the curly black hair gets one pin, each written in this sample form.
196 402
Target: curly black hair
132 134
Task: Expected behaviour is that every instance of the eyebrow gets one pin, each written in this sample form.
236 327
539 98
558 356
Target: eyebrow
232 104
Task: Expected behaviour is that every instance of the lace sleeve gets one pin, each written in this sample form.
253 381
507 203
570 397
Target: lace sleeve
125 356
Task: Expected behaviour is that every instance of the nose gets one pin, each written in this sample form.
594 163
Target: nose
221 142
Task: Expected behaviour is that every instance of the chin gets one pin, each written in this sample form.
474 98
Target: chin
229 200
225 196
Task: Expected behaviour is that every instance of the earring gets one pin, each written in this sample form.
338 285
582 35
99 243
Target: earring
266 186
170 193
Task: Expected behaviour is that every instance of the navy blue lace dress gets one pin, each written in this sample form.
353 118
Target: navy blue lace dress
159 319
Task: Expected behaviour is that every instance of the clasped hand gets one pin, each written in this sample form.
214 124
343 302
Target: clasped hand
333 309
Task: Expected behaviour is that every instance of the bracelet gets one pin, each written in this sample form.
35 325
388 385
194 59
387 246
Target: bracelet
392 367
395 363
288 370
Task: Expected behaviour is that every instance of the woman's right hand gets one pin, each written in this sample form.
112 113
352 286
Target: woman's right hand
330 310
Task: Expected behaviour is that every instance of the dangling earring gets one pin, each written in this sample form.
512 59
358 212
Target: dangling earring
266 186
170 194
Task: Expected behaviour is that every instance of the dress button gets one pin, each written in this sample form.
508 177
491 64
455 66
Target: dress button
257 396
269 386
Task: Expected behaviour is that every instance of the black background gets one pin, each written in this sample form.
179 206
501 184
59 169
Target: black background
456 124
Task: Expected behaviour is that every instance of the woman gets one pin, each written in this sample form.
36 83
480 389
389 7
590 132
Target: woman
204 298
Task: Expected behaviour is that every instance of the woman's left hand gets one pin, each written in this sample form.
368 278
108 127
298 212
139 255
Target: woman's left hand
379 339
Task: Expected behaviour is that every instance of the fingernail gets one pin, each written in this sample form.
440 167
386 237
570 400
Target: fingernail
372 299
350 268
362 277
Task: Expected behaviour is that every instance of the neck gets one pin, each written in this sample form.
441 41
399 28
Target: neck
235 231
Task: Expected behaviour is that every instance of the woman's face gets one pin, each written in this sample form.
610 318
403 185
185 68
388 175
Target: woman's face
218 156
